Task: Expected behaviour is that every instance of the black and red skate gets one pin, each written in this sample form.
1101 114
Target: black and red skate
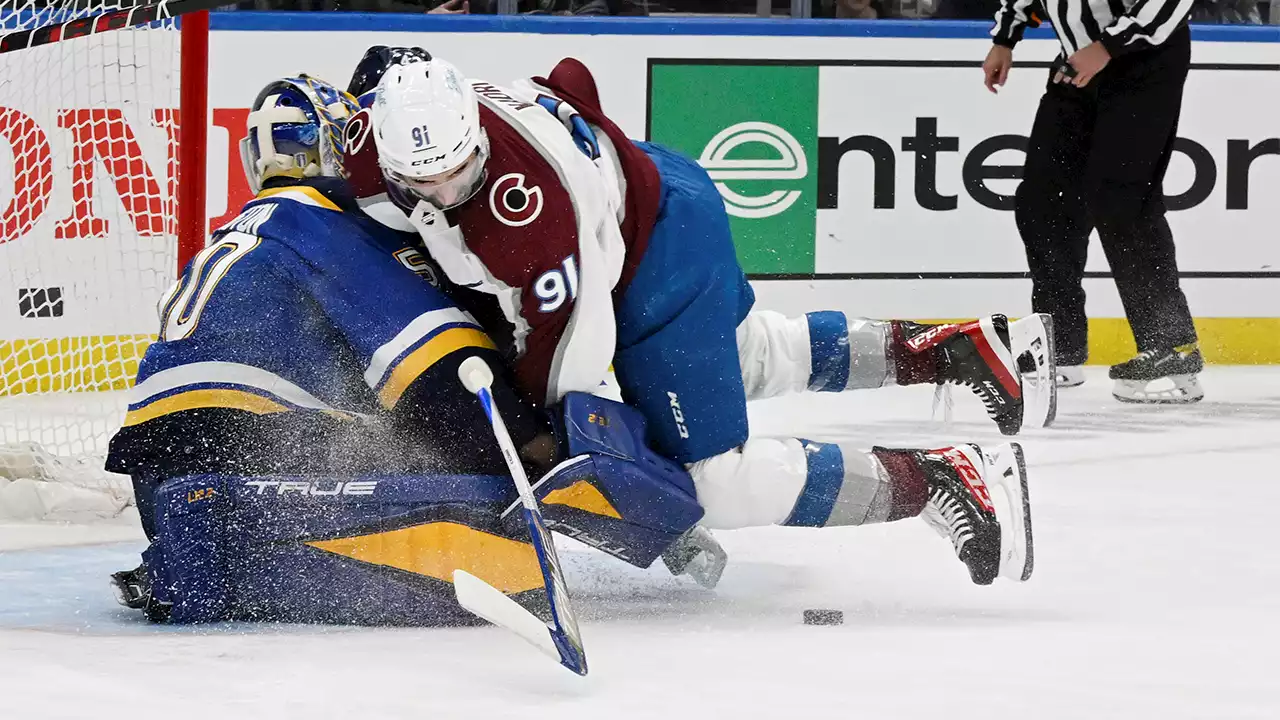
978 500
982 356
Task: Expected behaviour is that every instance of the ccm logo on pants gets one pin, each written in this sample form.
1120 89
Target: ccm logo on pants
678 414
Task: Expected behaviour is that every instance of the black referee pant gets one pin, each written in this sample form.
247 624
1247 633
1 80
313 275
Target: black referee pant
1097 158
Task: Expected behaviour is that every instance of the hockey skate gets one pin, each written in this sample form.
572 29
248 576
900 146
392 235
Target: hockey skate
997 361
1160 376
132 588
979 501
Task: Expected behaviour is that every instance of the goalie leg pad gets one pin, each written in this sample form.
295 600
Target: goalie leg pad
367 550
614 493
186 560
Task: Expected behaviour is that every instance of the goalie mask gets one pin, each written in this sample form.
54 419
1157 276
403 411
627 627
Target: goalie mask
426 126
295 130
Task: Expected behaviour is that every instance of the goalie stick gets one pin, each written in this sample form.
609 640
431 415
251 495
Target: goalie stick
103 22
560 639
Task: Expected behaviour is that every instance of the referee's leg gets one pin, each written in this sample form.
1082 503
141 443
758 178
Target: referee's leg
1139 100
1052 218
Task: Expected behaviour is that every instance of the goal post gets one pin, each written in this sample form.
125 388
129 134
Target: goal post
193 154
102 201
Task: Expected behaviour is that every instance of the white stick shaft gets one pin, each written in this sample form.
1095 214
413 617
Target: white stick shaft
477 377
510 455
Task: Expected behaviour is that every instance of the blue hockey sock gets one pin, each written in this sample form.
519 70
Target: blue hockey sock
846 486
846 353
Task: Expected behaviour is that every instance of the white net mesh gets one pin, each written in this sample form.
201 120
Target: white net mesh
88 130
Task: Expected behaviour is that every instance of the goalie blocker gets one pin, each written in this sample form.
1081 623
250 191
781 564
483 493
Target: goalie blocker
381 549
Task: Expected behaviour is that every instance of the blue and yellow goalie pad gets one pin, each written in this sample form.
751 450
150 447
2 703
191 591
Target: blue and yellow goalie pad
363 550
381 549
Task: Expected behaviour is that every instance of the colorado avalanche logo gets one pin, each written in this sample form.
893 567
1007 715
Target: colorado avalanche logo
514 204
357 131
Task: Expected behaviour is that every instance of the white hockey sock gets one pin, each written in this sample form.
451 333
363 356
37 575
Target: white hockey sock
820 351
793 482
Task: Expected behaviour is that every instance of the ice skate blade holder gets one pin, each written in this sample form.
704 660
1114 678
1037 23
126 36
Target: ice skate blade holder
1169 390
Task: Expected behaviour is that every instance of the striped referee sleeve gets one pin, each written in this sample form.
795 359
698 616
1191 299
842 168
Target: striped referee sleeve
1011 20
1147 24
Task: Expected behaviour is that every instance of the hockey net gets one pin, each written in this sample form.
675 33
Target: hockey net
88 244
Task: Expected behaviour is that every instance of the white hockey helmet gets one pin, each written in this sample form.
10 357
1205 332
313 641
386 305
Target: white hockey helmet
426 126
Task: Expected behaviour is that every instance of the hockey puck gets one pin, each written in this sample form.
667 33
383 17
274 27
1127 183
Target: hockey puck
823 617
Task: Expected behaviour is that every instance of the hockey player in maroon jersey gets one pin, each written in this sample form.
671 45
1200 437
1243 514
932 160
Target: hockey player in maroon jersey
592 252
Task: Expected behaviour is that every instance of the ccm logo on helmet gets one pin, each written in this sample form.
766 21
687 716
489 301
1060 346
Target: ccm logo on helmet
514 204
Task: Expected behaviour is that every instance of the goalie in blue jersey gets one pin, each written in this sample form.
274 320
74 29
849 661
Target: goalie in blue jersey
299 443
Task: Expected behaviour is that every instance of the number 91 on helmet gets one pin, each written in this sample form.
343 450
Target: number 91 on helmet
426 126
295 130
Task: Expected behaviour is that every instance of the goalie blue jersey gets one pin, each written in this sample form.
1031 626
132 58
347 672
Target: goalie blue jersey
300 304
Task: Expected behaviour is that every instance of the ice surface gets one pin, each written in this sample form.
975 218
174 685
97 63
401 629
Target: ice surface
1156 595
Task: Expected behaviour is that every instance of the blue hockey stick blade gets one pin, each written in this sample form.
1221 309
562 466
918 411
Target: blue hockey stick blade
564 631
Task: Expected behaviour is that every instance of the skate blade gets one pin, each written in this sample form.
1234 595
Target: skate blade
1012 501
128 594
1031 341
122 596
942 398
1070 378
1171 390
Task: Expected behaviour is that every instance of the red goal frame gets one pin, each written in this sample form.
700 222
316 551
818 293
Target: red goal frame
191 155
193 223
